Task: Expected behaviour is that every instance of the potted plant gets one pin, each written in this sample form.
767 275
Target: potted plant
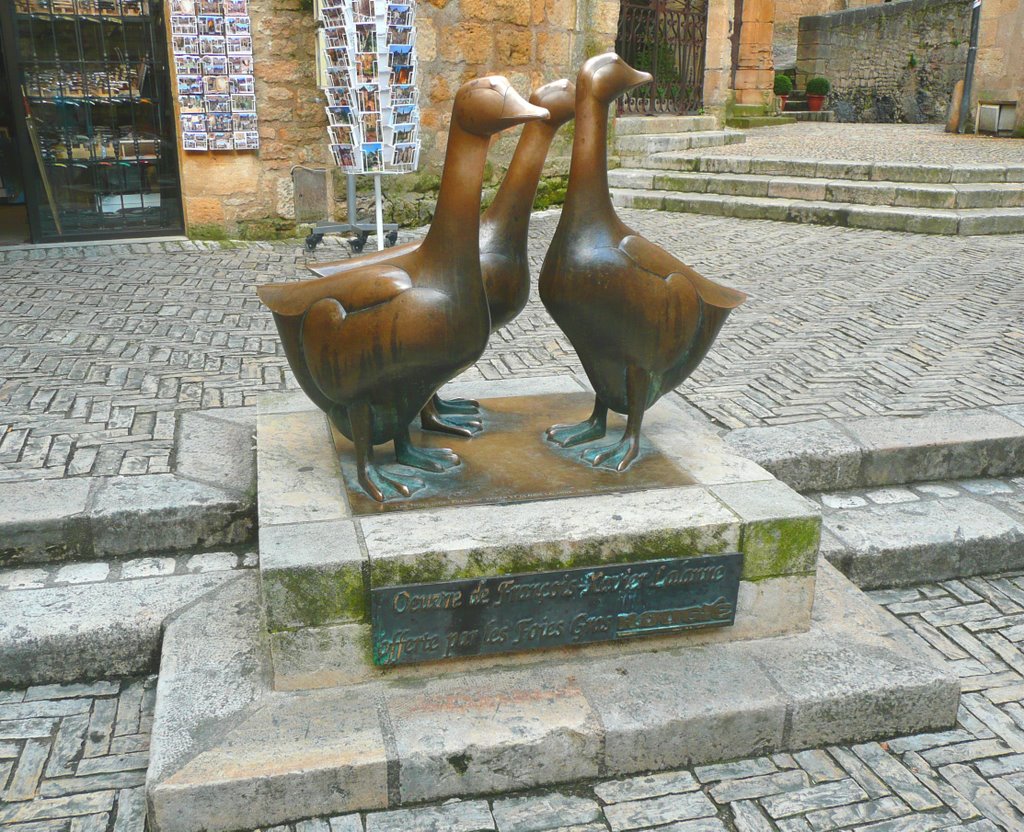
783 87
817 89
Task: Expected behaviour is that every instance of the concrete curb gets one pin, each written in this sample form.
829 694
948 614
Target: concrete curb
228 752
829 455
207 501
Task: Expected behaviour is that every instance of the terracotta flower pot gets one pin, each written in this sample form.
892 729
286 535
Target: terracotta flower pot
815 102
782 102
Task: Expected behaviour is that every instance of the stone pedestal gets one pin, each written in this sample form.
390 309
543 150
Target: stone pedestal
517 504
269 710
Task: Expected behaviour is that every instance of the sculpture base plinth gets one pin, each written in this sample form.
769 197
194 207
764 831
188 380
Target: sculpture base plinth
517 504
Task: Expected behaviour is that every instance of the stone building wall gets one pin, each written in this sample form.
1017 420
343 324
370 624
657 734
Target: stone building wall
999 67
888 63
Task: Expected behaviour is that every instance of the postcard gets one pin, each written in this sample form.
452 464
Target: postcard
218 104
222 141
218 122
339 115
190 85
187 65
191 104
211 44
247 140
242 83
244 121
237 26
240 64
373 156
368 98
185 44
183 7
344 156
183 25
244 103
215 65
210 7
211 24
216 85
194 141
232 7
239 45
340 134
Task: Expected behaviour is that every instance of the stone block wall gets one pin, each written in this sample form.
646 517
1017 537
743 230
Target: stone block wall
894 62
999 69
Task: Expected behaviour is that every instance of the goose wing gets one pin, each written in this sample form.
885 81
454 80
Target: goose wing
358 289
651 258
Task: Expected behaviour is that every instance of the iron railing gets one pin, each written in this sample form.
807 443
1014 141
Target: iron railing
666 38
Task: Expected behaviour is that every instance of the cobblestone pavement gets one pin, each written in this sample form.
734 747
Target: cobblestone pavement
73 757
98 352
925 144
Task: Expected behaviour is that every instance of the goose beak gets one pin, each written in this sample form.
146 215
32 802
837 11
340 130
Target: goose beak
636 78
517 110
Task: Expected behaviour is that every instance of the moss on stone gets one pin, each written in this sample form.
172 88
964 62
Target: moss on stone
207 231
787 546
312 598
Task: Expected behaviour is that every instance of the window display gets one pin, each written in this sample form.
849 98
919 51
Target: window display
212 45
368 57
93 80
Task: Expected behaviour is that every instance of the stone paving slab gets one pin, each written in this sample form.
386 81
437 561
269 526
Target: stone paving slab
502 730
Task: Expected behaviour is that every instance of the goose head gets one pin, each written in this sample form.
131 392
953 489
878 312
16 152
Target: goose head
485 106
607 76
559 99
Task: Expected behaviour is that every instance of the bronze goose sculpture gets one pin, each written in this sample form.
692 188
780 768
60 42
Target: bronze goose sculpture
504 230
639 319
372 345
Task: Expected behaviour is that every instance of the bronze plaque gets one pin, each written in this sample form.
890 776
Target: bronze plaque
512 462
565 607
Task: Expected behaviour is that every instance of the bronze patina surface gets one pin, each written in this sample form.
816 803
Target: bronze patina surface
504 234
639 319
540 610
371 346
511 462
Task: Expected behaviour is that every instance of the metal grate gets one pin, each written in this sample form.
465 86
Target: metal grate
668 40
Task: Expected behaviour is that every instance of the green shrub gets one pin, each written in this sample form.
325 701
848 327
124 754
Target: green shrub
818 86
783 84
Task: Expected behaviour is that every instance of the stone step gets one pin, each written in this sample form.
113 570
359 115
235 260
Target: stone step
902 536
642 125
207 500
807 115
750 122
839 169
644 144
97 620
858 192
965 222
510 728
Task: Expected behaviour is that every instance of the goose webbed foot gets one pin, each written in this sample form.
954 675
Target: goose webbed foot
617 457
383 486
457 407
436 460
455 424
593 428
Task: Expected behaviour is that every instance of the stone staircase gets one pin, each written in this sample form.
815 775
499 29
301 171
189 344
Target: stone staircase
796 106
749 116
924 199
635 138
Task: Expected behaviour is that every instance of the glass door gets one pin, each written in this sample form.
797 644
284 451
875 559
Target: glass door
98 130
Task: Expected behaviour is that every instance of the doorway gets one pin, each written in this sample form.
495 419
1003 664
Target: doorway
668 39
14 228
91 108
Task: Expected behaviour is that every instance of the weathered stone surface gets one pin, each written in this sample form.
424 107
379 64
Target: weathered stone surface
457 816
44 520
543 813
651 785
92 630
906 543
164 512
218 450
939 446
810 456
658 810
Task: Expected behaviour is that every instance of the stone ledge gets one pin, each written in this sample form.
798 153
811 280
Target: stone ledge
207 501
227 752
827 455
102 630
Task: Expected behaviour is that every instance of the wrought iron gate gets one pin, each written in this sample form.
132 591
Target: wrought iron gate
666 38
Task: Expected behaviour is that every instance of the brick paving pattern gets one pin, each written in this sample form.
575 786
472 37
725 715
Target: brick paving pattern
73 757
98 352
926 144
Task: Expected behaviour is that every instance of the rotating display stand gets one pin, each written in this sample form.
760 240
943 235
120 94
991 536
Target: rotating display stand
368 57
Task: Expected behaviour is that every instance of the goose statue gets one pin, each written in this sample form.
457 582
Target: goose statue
371 346
504 230
639 319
